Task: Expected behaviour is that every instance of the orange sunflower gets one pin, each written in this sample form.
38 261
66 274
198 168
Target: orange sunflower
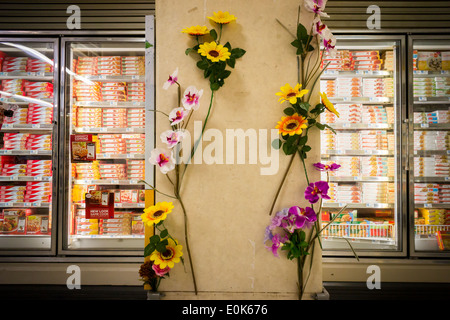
292 125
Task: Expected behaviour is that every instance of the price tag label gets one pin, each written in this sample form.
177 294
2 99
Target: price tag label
134 181
424 125
14 178
114 181
35 126
422 99
369 205
113 103
428 205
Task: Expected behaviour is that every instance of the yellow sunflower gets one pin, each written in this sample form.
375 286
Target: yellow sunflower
214 52
328 105
196 30
158 212
291 94
169 257
222 17
292 125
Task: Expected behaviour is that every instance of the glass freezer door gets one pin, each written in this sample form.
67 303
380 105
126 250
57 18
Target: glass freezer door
104 143
429 97
28 145
363 82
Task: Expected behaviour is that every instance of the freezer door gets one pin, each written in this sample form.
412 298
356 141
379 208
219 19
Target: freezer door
104 144
429 107
363 81
28 145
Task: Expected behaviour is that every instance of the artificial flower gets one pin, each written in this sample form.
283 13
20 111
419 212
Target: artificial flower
163 158
196 30
329 42
171 138
317 190
318 26
214 52
267 234
316 6
291 125
222 17
177 115
304 217
158 212
159 271
326 167
191 98
277 219
169 257
173 78
146 272
291 94
328 105
277 241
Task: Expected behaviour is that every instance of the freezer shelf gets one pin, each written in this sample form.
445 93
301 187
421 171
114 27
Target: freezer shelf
105 98
431 144
361 82
28 88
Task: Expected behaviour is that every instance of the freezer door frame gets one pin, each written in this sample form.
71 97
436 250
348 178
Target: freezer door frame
410 43
401 168
64 175
35 252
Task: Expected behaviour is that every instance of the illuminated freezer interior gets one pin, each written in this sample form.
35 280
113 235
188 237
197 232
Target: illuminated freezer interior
362 83
105 97
430 206
28 102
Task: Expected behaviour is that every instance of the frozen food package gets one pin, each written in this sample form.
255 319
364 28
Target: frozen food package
429 60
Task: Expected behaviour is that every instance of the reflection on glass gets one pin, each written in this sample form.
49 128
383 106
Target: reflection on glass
26 118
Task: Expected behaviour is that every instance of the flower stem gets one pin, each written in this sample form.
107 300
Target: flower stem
187 243
282 182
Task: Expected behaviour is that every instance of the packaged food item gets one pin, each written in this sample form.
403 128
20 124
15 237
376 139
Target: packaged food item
429 60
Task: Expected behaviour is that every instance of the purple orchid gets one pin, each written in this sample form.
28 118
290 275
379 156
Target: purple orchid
277 241
326 167
317 190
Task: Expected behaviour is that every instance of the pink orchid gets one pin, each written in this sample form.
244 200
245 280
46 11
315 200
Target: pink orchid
191 98
177 115
173 78
162 158
171 138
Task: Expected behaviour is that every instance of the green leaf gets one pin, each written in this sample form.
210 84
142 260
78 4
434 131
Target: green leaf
302 34
289 149
320 126
289 111
154 239
164 233
202 64
311 121
224 74
237 53
207 73
215 86
276 144
310 48
231 62
302 140
148 44
148 250
296 43
161 247
213 34
306 148
188 50
228 46
331 128
304 105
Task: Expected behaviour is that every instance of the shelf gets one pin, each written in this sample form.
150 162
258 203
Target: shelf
432 205
119 78
436 126
118 205
109 181
35 76
363 100
359 126
26 127
431 100
111 156
357 205
110 104
25 204
431 179
102 236
26 152
361 179
27 100
430 74
331 74
431 152
358 152
109 130
24 178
